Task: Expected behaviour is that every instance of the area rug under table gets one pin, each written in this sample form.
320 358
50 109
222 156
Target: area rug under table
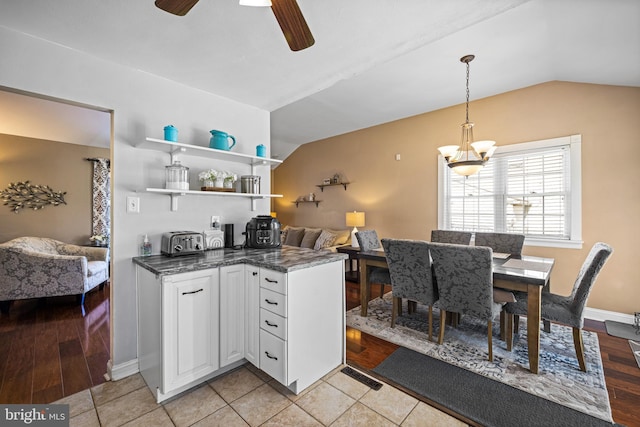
559 379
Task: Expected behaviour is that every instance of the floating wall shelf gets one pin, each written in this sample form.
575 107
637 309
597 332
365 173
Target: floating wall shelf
344 184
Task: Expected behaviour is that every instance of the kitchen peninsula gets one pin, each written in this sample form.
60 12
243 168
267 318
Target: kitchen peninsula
283 310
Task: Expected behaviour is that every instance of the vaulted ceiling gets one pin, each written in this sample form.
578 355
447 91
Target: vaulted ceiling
373 61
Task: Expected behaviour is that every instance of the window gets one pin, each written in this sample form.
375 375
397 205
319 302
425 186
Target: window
532 188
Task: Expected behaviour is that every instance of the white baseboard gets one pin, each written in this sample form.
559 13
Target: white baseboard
122 370
602 315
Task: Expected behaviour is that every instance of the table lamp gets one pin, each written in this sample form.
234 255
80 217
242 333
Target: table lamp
355 219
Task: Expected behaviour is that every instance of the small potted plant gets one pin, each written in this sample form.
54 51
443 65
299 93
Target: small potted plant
229 179
209 178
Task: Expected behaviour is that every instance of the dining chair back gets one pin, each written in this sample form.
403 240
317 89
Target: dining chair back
464 277
411 275
451 236
508 243
567 310
368 241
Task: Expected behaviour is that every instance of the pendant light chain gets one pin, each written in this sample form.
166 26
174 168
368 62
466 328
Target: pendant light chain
467 92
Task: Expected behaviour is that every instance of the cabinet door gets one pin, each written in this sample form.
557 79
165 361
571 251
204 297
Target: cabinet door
189 327
252 315
232 313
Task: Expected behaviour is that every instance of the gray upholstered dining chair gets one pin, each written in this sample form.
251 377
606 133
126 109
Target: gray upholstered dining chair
567 310
464 276
508 243
411 275
451 236
368 241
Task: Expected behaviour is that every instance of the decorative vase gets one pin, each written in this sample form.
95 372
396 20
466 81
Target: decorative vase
228 183
219 182
207 183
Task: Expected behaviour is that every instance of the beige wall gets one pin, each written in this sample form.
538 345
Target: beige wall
62 167
400 197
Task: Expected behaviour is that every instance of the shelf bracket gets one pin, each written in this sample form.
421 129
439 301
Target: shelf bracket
176 153
174 201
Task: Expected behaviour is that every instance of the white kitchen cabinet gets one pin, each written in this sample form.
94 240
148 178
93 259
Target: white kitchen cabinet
252 315
232 314
178 329
302 323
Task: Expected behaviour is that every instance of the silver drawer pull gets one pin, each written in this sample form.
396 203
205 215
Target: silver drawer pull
270 324
270 302
270 280
193 292
270 356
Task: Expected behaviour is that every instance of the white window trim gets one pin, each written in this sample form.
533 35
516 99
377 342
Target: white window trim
575 153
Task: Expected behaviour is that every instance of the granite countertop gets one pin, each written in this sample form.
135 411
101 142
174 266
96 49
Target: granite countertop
285 259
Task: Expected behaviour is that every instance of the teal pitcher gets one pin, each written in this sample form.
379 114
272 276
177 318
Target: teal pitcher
220 140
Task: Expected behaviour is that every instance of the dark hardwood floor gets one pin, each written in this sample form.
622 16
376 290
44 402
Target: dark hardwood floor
621 371
49 350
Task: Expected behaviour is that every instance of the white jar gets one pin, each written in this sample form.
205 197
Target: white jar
177 176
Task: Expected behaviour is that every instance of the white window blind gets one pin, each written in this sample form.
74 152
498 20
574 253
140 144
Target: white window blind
531 188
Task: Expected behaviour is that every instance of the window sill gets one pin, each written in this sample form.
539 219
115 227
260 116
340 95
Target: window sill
554 243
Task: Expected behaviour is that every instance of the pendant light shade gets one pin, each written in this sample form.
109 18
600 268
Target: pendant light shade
468 157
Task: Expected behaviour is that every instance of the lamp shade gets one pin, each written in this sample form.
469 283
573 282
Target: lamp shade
355 219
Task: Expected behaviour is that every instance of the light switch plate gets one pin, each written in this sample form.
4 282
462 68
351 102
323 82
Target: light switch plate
133 204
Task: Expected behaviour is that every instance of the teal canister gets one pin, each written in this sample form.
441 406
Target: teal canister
220 140
261 151
170 133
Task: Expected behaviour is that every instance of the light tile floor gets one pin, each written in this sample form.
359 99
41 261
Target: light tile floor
247 396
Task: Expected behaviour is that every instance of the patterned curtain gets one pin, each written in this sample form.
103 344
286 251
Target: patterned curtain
100 223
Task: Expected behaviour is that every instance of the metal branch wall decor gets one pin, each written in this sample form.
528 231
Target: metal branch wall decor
19 195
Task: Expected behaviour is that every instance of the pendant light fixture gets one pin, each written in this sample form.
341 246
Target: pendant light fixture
469 157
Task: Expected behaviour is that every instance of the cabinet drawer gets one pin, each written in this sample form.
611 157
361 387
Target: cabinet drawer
273 356
274 280
270 322
273 301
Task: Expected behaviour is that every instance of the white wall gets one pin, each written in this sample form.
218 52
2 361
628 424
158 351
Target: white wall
143 104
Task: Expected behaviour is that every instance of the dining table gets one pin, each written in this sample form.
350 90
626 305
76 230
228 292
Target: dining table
522 273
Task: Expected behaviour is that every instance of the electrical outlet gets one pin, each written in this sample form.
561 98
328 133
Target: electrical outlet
133 204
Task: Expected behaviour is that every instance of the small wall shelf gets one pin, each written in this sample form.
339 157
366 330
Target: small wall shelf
174 149
344 184
317 202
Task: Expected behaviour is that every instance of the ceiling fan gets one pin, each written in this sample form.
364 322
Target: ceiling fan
287 12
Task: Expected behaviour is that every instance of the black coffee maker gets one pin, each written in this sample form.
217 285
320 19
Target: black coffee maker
263 232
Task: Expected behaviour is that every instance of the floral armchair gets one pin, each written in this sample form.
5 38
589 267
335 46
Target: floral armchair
34 267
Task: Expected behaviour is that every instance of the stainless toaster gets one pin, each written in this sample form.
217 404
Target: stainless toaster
176 243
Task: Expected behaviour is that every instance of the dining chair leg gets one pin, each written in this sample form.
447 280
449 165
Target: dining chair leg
577 343
430 322
509 331
395 301
502 325
516 323
490 340
443 317
381 290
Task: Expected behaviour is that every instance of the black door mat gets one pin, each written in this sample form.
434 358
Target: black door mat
621 330
362 378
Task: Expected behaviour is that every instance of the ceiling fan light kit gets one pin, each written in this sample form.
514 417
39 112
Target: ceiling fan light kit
287 13
257 3
469 159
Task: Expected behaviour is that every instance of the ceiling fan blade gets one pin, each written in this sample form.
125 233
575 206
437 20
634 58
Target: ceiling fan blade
177 7
293 25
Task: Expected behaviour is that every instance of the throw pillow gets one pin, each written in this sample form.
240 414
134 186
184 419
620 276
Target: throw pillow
310 237
283 234
325 239
294 236
342 236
